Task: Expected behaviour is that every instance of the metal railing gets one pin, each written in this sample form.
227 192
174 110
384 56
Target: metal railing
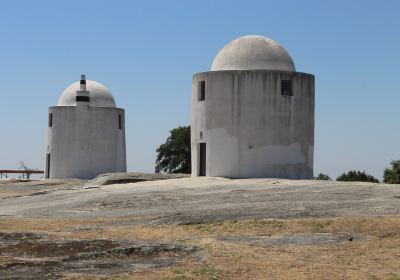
25 172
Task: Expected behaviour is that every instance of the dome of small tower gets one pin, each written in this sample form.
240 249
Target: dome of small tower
100 95
253 53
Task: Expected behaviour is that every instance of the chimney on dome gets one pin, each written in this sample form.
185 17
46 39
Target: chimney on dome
82 95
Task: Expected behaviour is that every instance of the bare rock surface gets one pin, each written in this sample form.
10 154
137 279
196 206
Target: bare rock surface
13 188
195 200
294 239
131 177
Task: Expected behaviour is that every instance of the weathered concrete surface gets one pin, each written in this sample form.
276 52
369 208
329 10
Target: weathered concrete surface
253 52
85 141
201 200
249 128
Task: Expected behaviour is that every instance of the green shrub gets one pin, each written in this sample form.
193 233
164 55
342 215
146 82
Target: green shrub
392 175
357 176
322 176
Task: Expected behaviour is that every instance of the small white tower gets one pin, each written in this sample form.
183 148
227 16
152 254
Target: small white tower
253 114
86 133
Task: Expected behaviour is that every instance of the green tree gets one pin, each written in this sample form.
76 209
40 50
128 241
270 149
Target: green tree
174 155
322 176
392 175
357 176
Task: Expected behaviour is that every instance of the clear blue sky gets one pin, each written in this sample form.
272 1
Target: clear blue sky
147 51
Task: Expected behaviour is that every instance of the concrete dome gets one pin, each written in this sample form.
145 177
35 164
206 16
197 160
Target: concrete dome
253 53
100 95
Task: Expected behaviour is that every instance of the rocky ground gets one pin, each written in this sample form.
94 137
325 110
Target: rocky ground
147 226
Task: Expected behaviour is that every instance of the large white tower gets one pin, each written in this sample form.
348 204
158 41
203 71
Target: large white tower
86 133
253 114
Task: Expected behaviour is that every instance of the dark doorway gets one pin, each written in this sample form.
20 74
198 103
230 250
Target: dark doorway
202 167
47 175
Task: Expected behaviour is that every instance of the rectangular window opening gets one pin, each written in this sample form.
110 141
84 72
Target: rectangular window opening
286 88
50 119
202 91
120 121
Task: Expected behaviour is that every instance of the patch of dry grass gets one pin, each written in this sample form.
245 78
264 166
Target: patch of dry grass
379 227
375 258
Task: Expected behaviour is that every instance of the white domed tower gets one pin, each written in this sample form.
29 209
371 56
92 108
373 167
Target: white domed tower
253 114
86 133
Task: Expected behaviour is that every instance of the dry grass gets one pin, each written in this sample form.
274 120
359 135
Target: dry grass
375 258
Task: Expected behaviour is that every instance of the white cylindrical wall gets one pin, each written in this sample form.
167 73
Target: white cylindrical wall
250 128
85 141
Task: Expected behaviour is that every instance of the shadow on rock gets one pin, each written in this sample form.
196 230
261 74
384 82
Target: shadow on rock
35 257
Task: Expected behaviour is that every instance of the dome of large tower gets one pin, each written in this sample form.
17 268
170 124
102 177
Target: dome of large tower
253 53
100 95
